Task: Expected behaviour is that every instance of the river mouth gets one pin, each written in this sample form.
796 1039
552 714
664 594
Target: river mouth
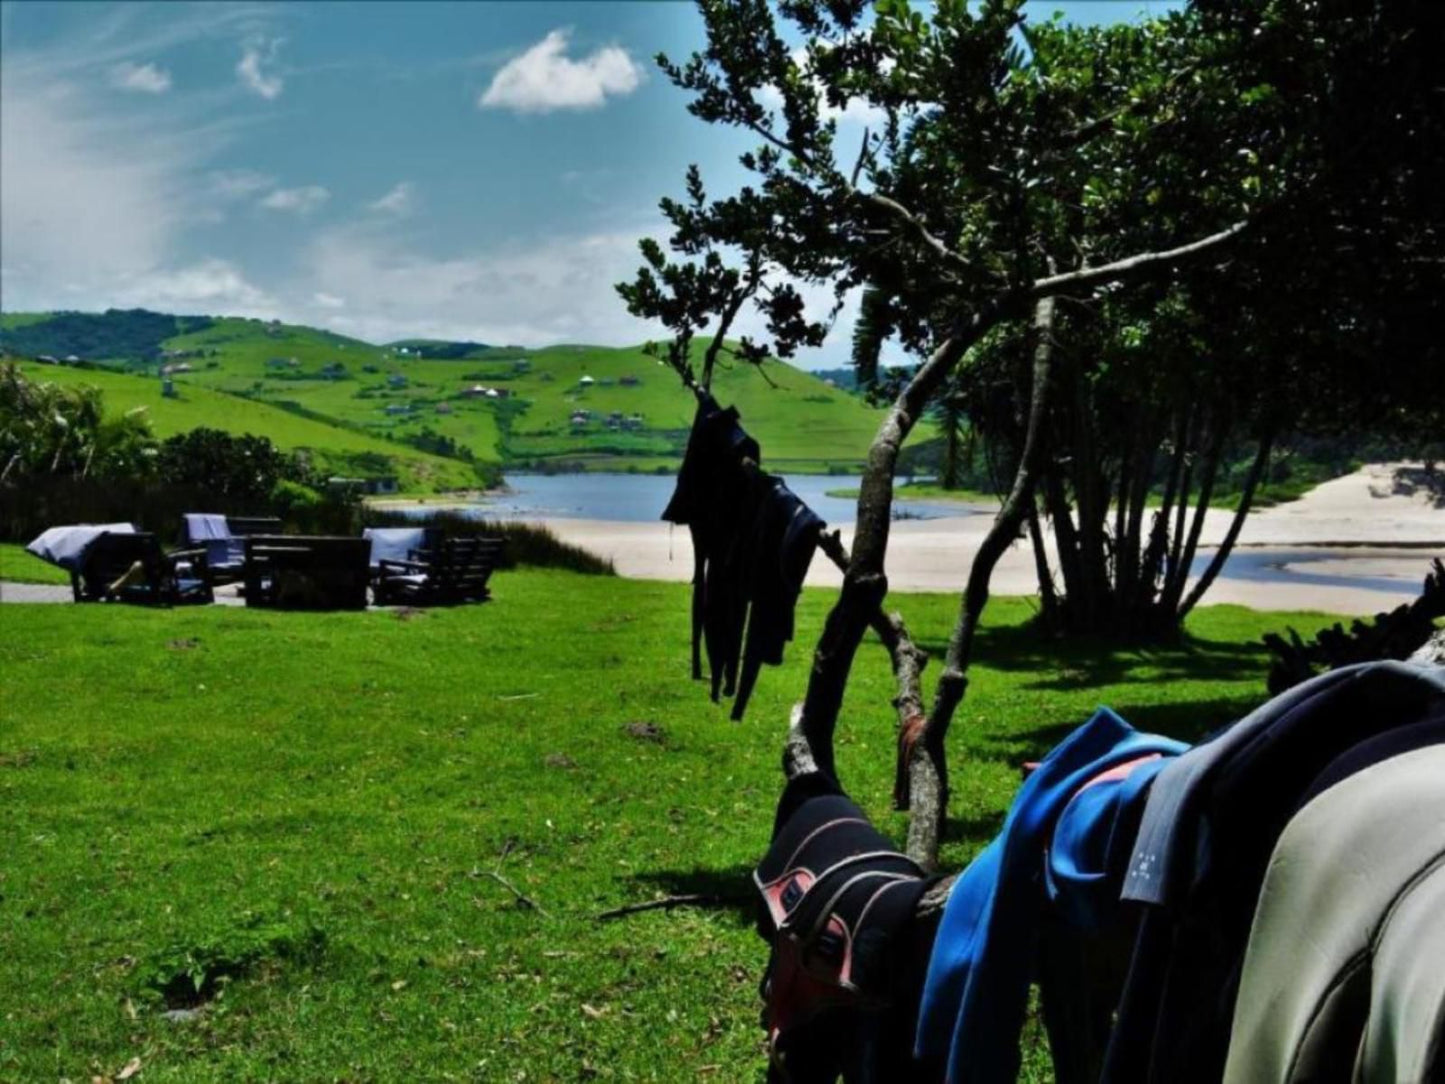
640 498
592 502
1389 569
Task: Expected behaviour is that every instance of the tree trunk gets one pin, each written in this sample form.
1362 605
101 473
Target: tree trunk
1048 592
928 767
1256 471
864 583
1178 573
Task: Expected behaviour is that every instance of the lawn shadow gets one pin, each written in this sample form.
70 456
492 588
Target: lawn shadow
724 890
1186 721
1070 665
978 830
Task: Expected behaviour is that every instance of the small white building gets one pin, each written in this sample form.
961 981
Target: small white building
586 382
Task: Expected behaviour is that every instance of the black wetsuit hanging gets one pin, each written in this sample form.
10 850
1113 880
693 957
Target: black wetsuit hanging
711 484
753 541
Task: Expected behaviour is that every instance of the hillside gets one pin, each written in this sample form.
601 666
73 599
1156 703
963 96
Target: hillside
639 414
334 450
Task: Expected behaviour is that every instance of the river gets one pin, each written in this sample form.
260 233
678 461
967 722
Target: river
636 499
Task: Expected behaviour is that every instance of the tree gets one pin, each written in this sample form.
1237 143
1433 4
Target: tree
963 207
49 430
241 468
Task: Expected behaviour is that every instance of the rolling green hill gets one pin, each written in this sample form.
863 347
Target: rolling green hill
333 449
433 395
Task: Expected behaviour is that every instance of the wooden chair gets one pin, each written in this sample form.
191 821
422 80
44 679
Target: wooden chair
227 556
133 568
306 572
456 571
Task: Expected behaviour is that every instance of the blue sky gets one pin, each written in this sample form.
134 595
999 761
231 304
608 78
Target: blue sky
462 170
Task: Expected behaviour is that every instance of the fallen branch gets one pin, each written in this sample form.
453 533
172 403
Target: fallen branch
667 903
522 897
496 875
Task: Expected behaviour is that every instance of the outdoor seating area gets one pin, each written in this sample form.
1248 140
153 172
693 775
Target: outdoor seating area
259 566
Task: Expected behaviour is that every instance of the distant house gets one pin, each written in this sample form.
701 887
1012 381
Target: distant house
71 359
183 367
398 408
386 483
830 382
632 422
444 408
629 381
49 359
578 423
396 380
615 416
586 382
476 391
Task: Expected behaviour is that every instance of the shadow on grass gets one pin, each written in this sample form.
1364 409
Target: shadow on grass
727 890
978 830
1074 665
1187 721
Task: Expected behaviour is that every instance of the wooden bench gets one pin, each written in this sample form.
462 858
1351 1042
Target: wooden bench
306 572
133 568
456 571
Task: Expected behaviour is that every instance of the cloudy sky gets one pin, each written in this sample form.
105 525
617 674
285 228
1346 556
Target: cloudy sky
468 171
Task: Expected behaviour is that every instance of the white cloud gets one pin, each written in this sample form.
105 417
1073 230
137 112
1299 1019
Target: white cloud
146 78
398 201
533 293
301 201
212 286
88 196
854 111
234 184
249 69
543 78
328 301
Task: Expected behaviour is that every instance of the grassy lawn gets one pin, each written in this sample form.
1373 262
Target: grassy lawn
17 566
302 813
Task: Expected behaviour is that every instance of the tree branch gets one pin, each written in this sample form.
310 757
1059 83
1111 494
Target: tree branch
1143 261
927 766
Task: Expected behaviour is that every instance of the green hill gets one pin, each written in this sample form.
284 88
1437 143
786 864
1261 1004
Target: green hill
434 396
333 449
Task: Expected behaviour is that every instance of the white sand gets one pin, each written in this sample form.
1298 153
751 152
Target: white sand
935 555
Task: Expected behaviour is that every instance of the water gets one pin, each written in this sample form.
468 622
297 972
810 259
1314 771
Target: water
1267 565
640 498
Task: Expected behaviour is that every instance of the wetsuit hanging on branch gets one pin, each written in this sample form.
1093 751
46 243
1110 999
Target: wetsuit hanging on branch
753 540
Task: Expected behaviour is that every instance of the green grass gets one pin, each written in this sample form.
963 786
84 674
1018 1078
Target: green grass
17 566
299 813
927 491
333 448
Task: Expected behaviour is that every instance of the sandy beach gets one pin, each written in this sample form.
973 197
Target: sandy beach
1352 528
